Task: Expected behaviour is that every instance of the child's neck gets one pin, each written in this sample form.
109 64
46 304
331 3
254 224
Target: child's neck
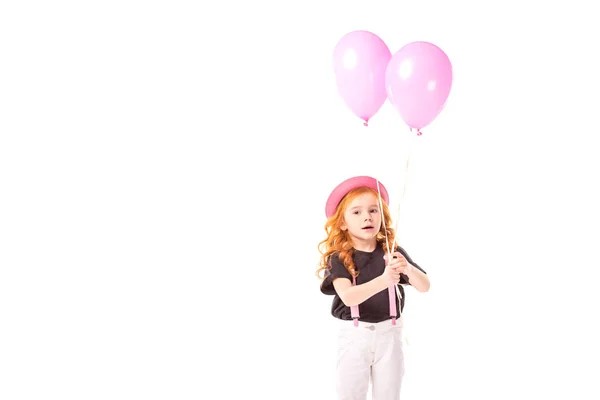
367 247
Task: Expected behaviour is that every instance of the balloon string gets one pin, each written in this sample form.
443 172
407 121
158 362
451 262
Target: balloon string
389 250
405 183
396 236
384 224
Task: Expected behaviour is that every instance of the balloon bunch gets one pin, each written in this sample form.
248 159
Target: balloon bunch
416 79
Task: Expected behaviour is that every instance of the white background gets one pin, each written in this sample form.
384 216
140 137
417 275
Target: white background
163 173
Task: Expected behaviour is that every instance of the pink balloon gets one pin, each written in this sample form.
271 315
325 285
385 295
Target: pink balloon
360 60
418 81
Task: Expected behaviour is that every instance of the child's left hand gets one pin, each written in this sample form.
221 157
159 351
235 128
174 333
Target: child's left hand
400 264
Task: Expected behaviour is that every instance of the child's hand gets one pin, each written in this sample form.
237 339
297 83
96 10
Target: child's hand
391 274
398 264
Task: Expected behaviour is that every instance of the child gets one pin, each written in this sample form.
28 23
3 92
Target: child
354 259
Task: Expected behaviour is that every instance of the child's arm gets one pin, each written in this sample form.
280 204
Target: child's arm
417 279
354 295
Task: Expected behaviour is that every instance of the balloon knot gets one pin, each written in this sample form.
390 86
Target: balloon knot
419 133
366 123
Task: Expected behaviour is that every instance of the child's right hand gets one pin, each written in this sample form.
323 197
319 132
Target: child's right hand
391 274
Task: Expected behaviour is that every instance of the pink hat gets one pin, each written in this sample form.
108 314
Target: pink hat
343 188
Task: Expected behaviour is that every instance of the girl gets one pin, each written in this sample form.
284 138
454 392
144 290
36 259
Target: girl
357 269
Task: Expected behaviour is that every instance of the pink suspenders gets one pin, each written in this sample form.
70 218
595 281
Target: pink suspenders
354 309
392 295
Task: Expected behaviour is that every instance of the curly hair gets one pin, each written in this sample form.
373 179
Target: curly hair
339 241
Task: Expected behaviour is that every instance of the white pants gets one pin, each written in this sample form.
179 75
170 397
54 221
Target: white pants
370 352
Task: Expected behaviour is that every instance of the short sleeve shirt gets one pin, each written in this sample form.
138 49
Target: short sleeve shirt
370 265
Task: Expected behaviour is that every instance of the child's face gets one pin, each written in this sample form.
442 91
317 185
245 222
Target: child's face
362 218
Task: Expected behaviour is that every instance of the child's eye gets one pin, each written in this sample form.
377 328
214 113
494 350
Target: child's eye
356 212
374 210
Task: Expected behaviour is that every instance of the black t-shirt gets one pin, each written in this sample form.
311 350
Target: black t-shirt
371 265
